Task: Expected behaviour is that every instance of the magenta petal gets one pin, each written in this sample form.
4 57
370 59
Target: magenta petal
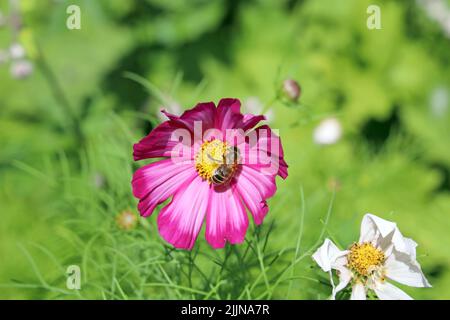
204 112
255 188
267 152
156 182
250 120
229 114
180 221
158 143
226 219
283 171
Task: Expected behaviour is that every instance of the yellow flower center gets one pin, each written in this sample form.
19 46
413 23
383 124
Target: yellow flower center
364 258
210 157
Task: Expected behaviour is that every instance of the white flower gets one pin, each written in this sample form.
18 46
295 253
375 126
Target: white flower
17 51
381 253
21 69
329 131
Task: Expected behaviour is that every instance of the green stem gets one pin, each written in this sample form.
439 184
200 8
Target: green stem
59 95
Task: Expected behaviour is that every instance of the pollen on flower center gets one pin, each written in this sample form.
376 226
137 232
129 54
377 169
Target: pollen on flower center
364 258
210 157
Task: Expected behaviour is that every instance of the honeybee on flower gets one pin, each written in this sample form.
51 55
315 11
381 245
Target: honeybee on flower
219 176
381 254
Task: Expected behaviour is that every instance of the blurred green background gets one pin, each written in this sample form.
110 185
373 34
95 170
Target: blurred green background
67 127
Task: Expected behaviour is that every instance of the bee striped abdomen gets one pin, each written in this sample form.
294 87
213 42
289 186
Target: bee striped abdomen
222 174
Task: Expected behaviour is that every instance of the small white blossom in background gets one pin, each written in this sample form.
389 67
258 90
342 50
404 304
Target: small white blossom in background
126 220
329 131
254 105
381 254
20 66
439 11
439 102
17 51
21 69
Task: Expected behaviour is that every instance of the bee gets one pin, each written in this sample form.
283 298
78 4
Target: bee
225 171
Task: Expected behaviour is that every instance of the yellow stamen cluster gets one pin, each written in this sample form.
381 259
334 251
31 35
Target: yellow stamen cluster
364 258
209 158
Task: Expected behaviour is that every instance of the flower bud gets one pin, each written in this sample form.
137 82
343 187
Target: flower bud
126 220
329 131
334 184
292 90
21 69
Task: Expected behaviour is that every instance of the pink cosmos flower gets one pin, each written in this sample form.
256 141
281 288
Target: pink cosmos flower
197 173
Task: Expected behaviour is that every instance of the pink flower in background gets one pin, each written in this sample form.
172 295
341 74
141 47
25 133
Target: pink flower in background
218 178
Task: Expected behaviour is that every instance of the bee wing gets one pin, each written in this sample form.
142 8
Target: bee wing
213 159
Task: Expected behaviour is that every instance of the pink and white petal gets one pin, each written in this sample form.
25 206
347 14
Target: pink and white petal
229 114
327 255
273 166
156 182
387 291
202 112
265 152
255 188
345 275
179 223
283 171
399 267
226 219
269 141
158 143
358 292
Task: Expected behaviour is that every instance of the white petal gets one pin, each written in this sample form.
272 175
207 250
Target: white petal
345 275
358 292
401 268
327 255
372 227
341 260
386 291
411 247
385 235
